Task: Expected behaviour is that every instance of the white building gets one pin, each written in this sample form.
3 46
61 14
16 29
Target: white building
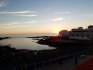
82 34
63 33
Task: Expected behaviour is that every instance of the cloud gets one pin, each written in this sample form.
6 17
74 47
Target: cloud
9 24
18 13
57 19
29 22
27 15
64 12
88 15
18 23
2 3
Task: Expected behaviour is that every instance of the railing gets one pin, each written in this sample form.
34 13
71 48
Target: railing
44 63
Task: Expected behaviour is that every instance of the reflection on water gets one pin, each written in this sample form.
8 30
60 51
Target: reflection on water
25 43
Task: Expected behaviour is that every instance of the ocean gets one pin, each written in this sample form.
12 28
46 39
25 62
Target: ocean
24 43
27 35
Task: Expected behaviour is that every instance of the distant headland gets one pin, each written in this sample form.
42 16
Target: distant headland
77 36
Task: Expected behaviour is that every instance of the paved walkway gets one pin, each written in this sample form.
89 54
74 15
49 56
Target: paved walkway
87 65
67 65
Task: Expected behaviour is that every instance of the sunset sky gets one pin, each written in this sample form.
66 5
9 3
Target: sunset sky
44 16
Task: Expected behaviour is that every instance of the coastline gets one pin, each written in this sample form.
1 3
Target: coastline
42 58
52 41
1 38
20 58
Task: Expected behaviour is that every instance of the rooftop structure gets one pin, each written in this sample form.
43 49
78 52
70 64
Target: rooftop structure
63 33
79 33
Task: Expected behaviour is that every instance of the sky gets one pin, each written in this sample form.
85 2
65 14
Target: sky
44 16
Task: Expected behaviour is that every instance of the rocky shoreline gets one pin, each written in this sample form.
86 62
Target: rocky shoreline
12 58
22 59
1 38
58 41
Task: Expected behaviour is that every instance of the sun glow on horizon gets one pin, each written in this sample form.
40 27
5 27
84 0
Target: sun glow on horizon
56 30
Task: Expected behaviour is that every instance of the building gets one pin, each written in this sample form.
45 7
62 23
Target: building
82 34
63 33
